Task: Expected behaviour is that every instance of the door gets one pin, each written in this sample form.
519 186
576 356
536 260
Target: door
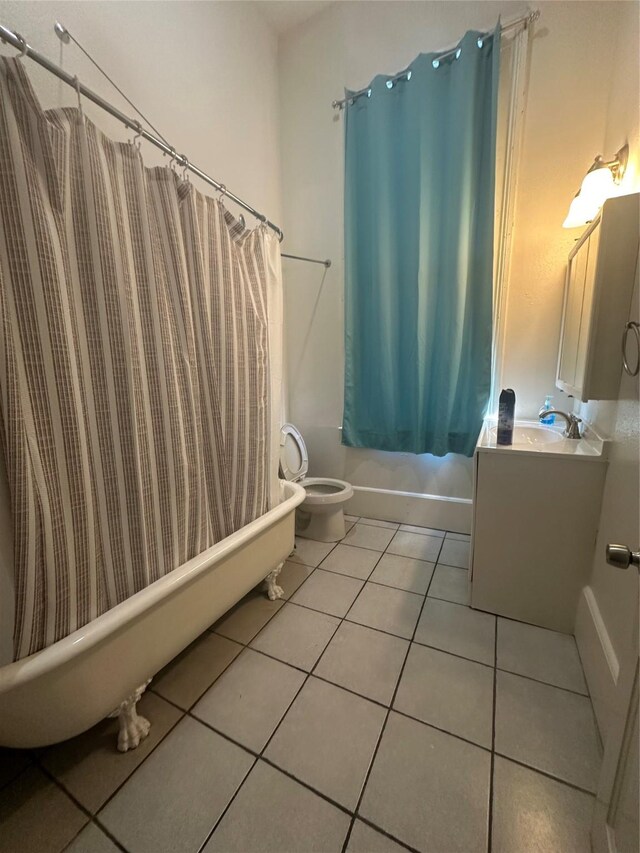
615 827
615 820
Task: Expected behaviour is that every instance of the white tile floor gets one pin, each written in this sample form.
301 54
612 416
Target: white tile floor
371 711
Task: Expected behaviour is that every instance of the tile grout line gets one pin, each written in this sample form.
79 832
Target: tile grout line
149 754
261 755
366 580
593 709
382 831
31 763
269 762
545 683
493 739
546 774
109 834
327 798
183 714
313 672
346 690
308 674
82 808
419 642
101 828
388 714
73 799
228 805
425 596
363 582
93 817
430 725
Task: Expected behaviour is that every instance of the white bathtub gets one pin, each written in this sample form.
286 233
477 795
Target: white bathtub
66 688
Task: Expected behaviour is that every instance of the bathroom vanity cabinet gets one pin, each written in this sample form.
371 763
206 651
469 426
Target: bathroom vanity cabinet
535 518
599 284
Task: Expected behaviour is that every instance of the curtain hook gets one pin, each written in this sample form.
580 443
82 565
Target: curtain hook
76 83
185 168
223 192
136 139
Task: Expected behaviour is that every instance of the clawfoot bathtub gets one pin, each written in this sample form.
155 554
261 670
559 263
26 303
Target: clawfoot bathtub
66 688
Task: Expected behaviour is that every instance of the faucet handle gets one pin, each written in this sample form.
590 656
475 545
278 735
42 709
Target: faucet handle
573 426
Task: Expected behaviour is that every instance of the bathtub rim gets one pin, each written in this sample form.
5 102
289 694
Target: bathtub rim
99 629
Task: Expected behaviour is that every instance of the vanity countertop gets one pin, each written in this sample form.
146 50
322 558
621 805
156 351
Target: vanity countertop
534 439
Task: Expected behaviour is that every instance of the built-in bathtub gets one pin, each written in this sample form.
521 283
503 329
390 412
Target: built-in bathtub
66 688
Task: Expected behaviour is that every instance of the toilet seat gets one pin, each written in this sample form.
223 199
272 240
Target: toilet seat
324 490
320 516
294 460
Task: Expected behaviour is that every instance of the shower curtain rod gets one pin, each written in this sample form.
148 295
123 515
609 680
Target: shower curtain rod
17 41
529 18
326 263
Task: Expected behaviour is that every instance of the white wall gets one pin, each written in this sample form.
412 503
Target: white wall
571 68
204 73
346 45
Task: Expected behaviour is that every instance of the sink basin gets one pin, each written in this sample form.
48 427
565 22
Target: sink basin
535 439
524 436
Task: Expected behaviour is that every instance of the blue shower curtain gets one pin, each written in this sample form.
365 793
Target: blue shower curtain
419 207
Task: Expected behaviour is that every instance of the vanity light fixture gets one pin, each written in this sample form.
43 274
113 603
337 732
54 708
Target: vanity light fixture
599 184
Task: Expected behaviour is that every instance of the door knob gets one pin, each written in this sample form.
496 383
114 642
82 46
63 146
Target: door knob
622 557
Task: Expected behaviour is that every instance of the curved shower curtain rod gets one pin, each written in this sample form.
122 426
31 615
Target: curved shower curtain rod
19 42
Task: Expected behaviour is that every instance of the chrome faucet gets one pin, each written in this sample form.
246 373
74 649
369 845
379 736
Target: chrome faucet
573 423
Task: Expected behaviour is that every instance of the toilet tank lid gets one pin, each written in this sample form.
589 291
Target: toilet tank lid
294 461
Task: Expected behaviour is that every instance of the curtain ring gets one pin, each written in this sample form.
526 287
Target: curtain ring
23 45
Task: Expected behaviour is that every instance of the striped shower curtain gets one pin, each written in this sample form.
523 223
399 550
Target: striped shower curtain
134 366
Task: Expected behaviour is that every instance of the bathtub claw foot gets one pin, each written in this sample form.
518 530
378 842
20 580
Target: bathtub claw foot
133 727
273 590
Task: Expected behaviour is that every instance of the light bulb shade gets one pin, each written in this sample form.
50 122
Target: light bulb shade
581 211
597 186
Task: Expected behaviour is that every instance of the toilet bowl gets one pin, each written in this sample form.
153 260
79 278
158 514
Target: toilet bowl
321 515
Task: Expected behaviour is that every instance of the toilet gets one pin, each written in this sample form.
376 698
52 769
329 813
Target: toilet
320 516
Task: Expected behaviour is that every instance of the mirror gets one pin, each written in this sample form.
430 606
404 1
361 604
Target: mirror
599 284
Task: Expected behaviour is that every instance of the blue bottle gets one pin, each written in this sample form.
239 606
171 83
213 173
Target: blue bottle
506 415
549 419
